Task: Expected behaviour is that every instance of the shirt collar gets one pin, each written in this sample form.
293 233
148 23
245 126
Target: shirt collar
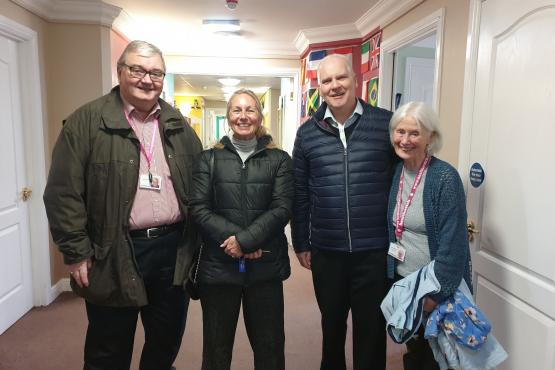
129 109
328 116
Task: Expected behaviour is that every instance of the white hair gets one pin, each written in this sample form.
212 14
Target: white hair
426 118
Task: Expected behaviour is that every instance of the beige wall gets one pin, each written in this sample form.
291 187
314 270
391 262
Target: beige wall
70 74
73 77
452 65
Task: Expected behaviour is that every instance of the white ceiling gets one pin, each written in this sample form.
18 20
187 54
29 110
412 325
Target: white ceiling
268 27
210 88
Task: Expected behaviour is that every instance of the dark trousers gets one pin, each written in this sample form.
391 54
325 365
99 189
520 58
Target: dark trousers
356 282
111 330
419 355
263 315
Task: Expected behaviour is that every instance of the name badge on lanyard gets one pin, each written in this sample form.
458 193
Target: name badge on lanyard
150 181
147 180
395 249
397 252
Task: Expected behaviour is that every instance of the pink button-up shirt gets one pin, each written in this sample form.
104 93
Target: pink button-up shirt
152 207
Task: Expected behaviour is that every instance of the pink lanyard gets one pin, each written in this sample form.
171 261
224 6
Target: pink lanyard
150 153
400 217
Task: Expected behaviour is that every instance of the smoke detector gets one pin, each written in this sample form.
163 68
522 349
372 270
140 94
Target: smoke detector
231 4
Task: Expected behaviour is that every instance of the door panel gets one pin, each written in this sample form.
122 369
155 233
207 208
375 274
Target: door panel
512 127
527 325
15 258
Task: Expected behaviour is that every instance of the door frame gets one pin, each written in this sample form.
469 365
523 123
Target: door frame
424 27
34 148
469 85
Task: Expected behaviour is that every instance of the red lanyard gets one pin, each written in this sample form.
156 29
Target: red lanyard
150 153
400 218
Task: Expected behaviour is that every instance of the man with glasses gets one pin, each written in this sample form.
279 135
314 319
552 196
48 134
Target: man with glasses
116 200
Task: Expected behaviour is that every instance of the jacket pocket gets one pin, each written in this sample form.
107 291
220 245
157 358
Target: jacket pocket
101 283
101 251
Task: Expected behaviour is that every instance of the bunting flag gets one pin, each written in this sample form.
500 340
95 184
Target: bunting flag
348 52
375 42
365 90
364 57
303 69
313 101
314 59
373 92
304 103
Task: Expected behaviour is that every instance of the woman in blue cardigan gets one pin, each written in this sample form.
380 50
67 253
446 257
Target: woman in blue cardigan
426 215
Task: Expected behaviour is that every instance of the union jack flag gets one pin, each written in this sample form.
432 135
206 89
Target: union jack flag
375 42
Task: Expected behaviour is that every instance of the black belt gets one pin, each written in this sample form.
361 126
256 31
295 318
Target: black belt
154 232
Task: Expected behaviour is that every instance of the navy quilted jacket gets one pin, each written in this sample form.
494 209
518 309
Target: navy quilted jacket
341 194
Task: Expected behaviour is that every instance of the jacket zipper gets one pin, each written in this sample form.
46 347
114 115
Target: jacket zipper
243 178
346 171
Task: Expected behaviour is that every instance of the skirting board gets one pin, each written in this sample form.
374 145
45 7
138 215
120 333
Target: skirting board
61 286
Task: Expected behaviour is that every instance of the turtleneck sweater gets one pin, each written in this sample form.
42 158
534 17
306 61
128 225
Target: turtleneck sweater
244 147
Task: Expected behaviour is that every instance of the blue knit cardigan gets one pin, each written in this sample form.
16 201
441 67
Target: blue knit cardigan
445 217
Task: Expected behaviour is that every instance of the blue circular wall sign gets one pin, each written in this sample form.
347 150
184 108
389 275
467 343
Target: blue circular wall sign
477 175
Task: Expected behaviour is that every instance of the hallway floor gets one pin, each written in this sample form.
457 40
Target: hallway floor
51 338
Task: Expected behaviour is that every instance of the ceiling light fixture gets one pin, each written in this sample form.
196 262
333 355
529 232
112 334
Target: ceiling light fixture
228 89
229 81
231 4
221 25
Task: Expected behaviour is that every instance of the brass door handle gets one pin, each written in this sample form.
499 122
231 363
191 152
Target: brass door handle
471 228
26 193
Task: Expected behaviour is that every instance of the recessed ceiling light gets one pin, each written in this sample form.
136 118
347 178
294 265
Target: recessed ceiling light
221 25
229 81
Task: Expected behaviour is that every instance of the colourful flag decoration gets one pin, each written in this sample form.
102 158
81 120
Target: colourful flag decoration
313 101
314 59
303 69
365 90
373 92
364 57
348 52
375 42
304 103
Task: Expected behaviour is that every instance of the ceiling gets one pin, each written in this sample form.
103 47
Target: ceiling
210 88
268 27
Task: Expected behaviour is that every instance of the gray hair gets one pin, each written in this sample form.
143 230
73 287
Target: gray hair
426 118
341 57
142 48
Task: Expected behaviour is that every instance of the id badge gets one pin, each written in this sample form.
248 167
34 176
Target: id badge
396 251
145 183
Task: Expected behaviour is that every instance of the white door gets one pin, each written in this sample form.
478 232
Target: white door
419 80
513 139
16 297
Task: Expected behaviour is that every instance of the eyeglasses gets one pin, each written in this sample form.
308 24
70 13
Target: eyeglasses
138 72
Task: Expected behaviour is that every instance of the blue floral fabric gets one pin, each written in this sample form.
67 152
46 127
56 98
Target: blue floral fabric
461 319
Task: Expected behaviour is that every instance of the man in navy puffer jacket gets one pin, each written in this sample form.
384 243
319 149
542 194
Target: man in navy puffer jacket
343 164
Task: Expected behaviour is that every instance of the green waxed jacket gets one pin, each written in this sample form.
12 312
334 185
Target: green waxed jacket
91 187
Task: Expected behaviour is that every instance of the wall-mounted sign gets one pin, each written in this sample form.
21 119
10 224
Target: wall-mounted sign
477 175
